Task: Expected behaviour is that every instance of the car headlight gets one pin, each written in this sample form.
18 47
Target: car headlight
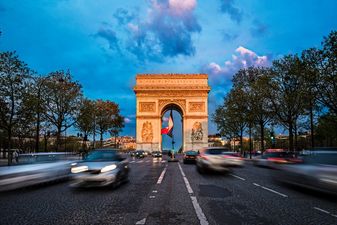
108 168
79 169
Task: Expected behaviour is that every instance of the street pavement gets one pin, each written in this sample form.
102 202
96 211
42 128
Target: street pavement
161 192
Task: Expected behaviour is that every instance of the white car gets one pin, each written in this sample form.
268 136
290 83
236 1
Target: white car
39 168
212 159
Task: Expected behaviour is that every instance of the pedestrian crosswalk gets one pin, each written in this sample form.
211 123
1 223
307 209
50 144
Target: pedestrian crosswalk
148 161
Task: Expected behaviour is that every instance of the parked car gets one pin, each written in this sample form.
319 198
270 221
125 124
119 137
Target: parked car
100 167
35 169
190 156
318 171
271 157
212 159
156 154
140 154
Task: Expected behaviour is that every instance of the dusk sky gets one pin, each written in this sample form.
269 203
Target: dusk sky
105 43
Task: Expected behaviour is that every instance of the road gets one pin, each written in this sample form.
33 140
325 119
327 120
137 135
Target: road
161 192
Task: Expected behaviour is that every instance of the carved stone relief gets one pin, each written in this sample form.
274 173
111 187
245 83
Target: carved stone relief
147 107
147 132
197 132
196 107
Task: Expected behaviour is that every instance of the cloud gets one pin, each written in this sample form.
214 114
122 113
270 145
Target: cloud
110 36
229 37
227 6
258 28
123 16
127 120
165 31
242 58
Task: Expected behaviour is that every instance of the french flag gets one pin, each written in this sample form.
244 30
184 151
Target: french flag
168 130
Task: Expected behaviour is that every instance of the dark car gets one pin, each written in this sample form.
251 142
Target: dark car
156 154
271 157
318 171
140 154
100 168
190 156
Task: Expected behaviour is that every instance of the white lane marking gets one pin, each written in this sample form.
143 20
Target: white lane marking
155 191
271 190
147 161
132 162
140 161
163 161
200 214
237 176
152 196
324 211
143 221
161 177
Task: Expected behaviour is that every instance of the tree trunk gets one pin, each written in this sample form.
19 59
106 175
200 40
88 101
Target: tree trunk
291 137
241 141
295 131
312 137
9 139
37 138
250 141
262 135
101 139
58 139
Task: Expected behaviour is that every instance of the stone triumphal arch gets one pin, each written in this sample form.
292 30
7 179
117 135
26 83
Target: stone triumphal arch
186 93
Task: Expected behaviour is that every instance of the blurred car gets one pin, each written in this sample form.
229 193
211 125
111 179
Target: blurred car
139 154
156 154
35 169
212 159
100 167
190 156
133 154
271 157
233 159
318 171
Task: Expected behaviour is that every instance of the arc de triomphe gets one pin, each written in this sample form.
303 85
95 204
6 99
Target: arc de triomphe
157 93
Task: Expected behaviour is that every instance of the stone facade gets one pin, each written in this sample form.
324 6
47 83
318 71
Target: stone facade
187 93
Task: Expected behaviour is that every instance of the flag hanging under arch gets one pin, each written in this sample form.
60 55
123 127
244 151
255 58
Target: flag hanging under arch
169 129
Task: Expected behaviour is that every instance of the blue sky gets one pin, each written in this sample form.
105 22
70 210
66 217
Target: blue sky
105 43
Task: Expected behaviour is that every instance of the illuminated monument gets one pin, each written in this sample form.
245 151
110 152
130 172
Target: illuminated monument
158 93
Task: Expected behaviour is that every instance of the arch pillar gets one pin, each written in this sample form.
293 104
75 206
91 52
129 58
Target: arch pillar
155 92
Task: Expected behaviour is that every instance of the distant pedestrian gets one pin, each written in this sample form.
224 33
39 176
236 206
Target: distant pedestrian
16 156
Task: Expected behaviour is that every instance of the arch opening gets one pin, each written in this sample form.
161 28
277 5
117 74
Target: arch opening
174 142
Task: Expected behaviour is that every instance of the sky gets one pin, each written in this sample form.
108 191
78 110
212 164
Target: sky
105 43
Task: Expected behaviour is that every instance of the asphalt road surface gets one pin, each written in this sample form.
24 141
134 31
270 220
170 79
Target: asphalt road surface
172 193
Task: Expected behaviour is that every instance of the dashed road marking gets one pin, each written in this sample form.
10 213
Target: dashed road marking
152 196
200 214
143 221
240 178
161 177
155 191
132 161
140 161
271 190
325 211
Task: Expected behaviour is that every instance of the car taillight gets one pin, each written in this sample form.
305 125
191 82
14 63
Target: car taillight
277 160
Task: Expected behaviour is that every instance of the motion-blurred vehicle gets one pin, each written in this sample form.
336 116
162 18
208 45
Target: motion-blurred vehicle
272 157
133 154
212 159
190 156
233 159
35 169
139 154
100 168
156 154
318 171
